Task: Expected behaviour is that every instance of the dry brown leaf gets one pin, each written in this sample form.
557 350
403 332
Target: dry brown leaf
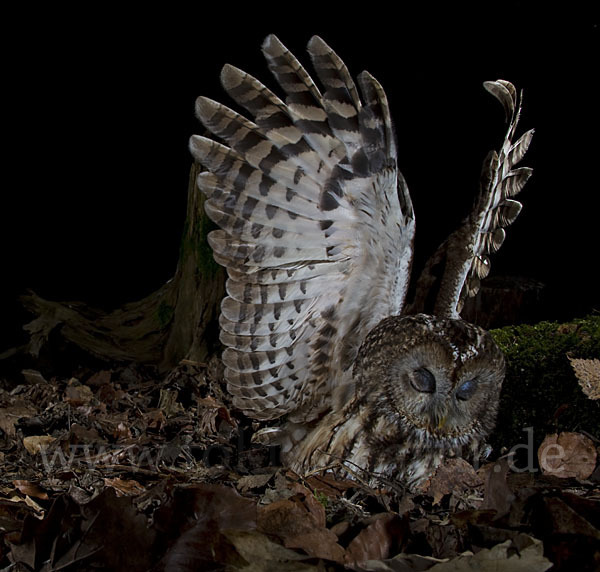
454 475
122 431
567 455
99 378
196 520
78 435
315 508
263 554
36 443
566 520
155 419
329 485
125 487
376 540
9 416
77 394
209 410
497 494
40 512
31 489
106 393
587 372
33 376
300 525
250 482
504 557
168 403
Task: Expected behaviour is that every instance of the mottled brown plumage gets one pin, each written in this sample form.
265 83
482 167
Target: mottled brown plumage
423 388
316 232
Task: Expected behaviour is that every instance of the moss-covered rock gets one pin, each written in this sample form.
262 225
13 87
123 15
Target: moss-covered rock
540 389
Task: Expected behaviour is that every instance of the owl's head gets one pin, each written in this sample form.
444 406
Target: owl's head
440 379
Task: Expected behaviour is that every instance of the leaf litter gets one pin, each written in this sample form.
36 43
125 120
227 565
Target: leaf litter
117 469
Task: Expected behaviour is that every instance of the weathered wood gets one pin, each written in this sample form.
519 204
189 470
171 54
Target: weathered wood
177 321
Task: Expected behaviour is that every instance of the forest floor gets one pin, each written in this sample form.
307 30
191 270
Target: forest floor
117 468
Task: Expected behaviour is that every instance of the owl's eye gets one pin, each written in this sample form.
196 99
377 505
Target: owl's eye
423 380
466 390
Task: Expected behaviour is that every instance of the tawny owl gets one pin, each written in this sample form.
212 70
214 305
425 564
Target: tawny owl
316 232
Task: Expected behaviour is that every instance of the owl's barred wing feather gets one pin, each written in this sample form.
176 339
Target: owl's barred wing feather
314 232
454 272
496 209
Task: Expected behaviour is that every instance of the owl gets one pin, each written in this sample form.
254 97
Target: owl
316 230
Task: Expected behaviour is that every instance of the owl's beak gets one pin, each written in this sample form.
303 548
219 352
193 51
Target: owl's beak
438 421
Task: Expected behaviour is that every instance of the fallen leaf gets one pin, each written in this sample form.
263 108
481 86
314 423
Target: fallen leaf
168 403
454 475
31 489
155 419
341 528
35 506
401 563
9 416
497 494
33 376
526 556
251 482
264 555
444 539
122 431
300 525
406 504
80 435
125 486
314 505
565 520
77 394
193 523
587 372
36 443
112 521
106 393
329 485
99 378
375 542
567 455
70 535
209 410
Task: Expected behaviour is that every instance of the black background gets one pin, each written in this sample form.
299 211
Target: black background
99 107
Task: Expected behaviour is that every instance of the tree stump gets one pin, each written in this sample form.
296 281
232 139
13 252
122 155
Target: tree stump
177 321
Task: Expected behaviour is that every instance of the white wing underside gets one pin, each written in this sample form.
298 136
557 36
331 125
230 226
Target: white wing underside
316 228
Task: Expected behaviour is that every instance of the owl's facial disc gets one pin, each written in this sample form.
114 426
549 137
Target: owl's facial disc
440 395
439 377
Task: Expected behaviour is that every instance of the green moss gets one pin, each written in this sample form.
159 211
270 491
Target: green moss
164 314
540 389
322 498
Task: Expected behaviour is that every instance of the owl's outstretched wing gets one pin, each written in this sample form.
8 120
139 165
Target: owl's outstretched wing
316 227
455 270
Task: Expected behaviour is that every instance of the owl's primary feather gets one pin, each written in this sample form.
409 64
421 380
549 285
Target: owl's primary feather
316 233
316 230
454 272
